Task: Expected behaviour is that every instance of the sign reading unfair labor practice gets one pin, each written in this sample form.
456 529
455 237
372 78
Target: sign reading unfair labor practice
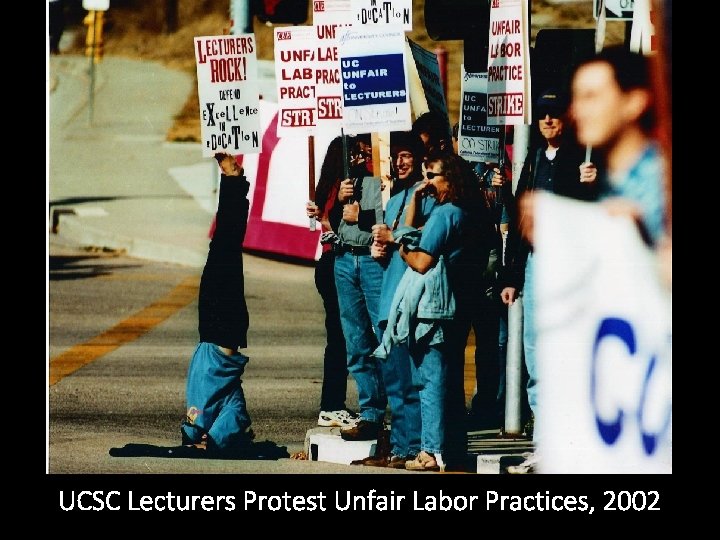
477 141
382 12
604 344
375 89
229 94
508 100
296 52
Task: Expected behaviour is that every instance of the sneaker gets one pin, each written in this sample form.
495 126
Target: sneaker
526 467
342 418
362 431
423 462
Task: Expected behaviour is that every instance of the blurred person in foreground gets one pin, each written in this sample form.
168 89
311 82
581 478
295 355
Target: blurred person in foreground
613 108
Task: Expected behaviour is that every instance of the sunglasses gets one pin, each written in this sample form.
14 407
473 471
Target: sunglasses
430 175
553 113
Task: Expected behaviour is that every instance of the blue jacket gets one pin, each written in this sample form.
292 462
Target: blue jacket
420 302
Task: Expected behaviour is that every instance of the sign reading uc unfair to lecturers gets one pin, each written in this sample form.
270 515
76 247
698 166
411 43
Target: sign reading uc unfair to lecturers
228 93
508 100
375 90
477 141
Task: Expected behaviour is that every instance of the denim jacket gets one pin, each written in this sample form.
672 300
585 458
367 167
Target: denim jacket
420 302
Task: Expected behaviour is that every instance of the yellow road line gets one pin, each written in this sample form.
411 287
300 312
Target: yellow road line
128 330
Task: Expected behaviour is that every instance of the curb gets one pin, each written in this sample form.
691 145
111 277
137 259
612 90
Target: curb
70 228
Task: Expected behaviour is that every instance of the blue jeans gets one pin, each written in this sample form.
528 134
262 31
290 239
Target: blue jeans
429 371
358 279
529 334
404 401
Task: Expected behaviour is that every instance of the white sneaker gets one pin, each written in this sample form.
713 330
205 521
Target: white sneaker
342 418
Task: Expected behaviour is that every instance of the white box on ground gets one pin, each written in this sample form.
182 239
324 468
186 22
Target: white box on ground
333 449
488 464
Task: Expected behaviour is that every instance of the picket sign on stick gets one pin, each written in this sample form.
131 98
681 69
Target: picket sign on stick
418 101
599 42
381 163
311 176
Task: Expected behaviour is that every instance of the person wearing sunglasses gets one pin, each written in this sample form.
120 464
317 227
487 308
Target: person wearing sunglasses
555 164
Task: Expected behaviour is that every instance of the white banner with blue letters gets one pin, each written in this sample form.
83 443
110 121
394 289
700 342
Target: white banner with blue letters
604 350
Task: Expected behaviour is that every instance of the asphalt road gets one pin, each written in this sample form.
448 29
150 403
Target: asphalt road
135 392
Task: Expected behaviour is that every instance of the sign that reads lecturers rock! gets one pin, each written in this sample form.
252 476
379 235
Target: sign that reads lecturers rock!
477 141
509 63
382 12
229 94
375 90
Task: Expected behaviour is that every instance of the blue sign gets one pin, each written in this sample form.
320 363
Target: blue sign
373 80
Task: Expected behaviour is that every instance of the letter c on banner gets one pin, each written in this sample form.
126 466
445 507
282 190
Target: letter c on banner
619 328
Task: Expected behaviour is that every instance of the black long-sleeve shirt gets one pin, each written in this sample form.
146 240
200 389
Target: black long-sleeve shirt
222 311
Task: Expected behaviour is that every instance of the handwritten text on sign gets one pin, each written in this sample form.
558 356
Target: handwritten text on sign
382 12
228 94
508 100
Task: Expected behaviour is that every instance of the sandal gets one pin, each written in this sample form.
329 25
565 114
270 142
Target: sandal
423 462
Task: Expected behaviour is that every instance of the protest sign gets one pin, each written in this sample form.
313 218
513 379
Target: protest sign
375 95
509 63
428 70
382 13
477 141
604 348
228 94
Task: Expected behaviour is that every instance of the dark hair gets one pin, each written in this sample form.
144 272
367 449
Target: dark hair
464 189
631 71
331 172
437 128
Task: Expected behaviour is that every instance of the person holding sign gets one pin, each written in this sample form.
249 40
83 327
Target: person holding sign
217 419
333 412
613 107
407 152
358 278
556 165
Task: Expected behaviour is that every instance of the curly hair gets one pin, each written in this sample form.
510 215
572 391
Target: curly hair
463 187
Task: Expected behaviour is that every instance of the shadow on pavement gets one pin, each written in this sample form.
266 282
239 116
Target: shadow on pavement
64 267
265 450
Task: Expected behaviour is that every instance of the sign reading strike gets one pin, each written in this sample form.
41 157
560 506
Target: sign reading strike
508 100
228 93
382 12
477 141
429 72
375 90
295 54
604 349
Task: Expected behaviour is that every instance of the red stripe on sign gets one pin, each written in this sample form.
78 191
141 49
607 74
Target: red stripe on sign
272 236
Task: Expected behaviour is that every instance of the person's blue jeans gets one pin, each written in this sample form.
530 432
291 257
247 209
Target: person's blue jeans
529 334
404 401
358 279
429 371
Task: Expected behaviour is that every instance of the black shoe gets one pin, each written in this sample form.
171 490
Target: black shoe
362 431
